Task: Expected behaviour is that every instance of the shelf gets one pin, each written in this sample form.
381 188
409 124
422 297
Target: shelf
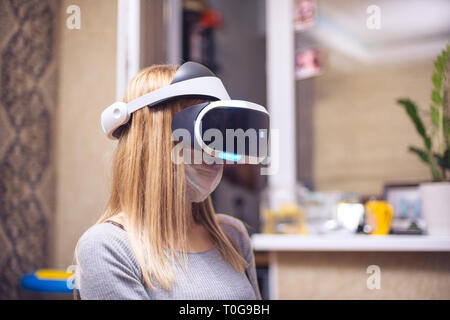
273 242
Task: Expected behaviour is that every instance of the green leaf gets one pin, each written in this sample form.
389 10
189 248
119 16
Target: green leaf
445 53
438 65
444 160
411 110
434 116
439 115
447 126
423 155
437 80
435 97
435 173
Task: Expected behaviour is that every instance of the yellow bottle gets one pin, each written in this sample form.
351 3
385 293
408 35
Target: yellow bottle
379 216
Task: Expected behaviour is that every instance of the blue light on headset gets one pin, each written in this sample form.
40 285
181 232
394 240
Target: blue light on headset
262 134
229 156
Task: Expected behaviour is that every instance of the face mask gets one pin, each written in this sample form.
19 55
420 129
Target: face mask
201 180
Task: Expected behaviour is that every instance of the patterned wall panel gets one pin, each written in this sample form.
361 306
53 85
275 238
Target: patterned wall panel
27 106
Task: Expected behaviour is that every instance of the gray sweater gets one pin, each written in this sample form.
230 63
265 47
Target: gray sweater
109 269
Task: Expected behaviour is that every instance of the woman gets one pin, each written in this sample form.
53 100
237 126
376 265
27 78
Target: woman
160 237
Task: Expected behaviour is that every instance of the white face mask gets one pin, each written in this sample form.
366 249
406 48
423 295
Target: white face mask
201 180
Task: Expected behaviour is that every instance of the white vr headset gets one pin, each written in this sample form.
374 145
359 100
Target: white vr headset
195 80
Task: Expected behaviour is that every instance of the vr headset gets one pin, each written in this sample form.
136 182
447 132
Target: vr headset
232 130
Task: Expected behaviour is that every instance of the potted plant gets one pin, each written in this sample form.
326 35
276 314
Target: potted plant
436 138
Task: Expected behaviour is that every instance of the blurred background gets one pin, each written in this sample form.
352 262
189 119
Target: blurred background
350 212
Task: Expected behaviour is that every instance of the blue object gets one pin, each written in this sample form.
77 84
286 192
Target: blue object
230 156
34 283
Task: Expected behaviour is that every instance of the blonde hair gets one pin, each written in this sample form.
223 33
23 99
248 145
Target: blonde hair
148 189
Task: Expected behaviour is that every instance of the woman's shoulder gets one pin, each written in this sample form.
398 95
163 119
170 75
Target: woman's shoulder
231 222
237 231
102 232
106 264
102 239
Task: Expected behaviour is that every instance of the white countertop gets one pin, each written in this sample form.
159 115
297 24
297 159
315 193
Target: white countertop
278 242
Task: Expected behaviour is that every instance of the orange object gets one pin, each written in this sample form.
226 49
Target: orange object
212 18
379 216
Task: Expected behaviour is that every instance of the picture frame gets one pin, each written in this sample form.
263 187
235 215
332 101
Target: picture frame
304 14
406 201
308 63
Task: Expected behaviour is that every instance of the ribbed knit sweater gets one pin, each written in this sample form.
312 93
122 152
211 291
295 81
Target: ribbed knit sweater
109 269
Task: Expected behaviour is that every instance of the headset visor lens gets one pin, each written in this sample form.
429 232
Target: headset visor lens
236 133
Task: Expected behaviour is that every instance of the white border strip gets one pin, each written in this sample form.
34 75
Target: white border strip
280 87
128 43
121 72
134 37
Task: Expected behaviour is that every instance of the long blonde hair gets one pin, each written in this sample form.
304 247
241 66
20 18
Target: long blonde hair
148 189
